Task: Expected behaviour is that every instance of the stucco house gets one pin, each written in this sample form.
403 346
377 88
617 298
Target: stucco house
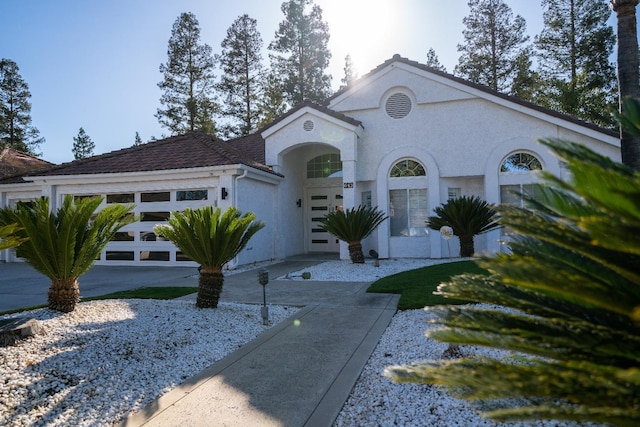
404 138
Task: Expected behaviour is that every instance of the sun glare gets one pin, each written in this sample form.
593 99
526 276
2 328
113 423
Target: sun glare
364 29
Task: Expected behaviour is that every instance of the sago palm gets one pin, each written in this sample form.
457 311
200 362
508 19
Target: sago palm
468 217
64 245
8 238
212 239
352 226
572 287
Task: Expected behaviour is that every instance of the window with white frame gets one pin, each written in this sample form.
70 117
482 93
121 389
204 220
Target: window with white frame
519 177
408 204
324 166
454 193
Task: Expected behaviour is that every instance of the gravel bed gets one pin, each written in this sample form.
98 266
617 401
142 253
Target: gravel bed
111 358
108 358
345 271
377 401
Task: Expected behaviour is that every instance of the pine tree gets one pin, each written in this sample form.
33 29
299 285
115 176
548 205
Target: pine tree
574 48
16 130
493 39
189 81
350 75
272 103
301 52
526 83
433 61
243 72
137 141
83 146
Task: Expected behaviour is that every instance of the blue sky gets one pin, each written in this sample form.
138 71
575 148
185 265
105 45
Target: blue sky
94 64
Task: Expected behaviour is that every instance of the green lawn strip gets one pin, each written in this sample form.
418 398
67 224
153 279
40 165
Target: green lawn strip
170 292
417 286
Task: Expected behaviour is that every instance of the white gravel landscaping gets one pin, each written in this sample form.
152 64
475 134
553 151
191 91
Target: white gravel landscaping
110 358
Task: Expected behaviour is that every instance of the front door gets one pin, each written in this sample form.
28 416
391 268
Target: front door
320 202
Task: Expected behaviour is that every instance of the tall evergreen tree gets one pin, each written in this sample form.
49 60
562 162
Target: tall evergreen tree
493 39
188 84
628 74
574 48
16 130
526 84
243 72
350 75
272 103
433 61
301 52
83 146
137 141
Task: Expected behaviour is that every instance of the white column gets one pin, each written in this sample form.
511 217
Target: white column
348 196
50 191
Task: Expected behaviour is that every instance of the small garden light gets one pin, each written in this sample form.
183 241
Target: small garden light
263 279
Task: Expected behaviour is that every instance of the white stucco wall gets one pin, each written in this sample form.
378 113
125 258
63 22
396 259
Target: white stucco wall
460 134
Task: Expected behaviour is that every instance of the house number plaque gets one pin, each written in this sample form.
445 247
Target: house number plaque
347 185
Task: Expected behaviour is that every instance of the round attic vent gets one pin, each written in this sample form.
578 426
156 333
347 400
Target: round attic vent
398 106
308 125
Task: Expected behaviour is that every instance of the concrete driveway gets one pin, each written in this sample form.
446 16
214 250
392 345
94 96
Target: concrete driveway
22 286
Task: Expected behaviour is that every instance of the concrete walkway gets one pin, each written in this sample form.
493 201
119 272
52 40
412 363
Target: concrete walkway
298 373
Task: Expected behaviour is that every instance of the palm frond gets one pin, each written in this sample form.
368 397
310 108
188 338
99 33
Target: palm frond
8 237
65 244
354 224
465 215
210 237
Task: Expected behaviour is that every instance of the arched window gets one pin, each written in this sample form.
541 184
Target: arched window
324 166
518 178
405 168
408 208
520 162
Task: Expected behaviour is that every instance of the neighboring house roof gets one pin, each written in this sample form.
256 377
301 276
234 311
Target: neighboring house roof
13 163
398 58
191 150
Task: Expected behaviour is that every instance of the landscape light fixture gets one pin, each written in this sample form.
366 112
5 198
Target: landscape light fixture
263 279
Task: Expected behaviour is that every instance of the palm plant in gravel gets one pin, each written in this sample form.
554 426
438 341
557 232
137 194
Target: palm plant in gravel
64 245
468 217
212 239
353 226
572 284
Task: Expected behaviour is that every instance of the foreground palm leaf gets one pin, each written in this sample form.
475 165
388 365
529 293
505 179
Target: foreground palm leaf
353 226
64 245
212 239
468 217
573 282
8 238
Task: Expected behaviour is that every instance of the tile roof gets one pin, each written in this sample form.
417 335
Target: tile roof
13 162
398 58
191 150
252 146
